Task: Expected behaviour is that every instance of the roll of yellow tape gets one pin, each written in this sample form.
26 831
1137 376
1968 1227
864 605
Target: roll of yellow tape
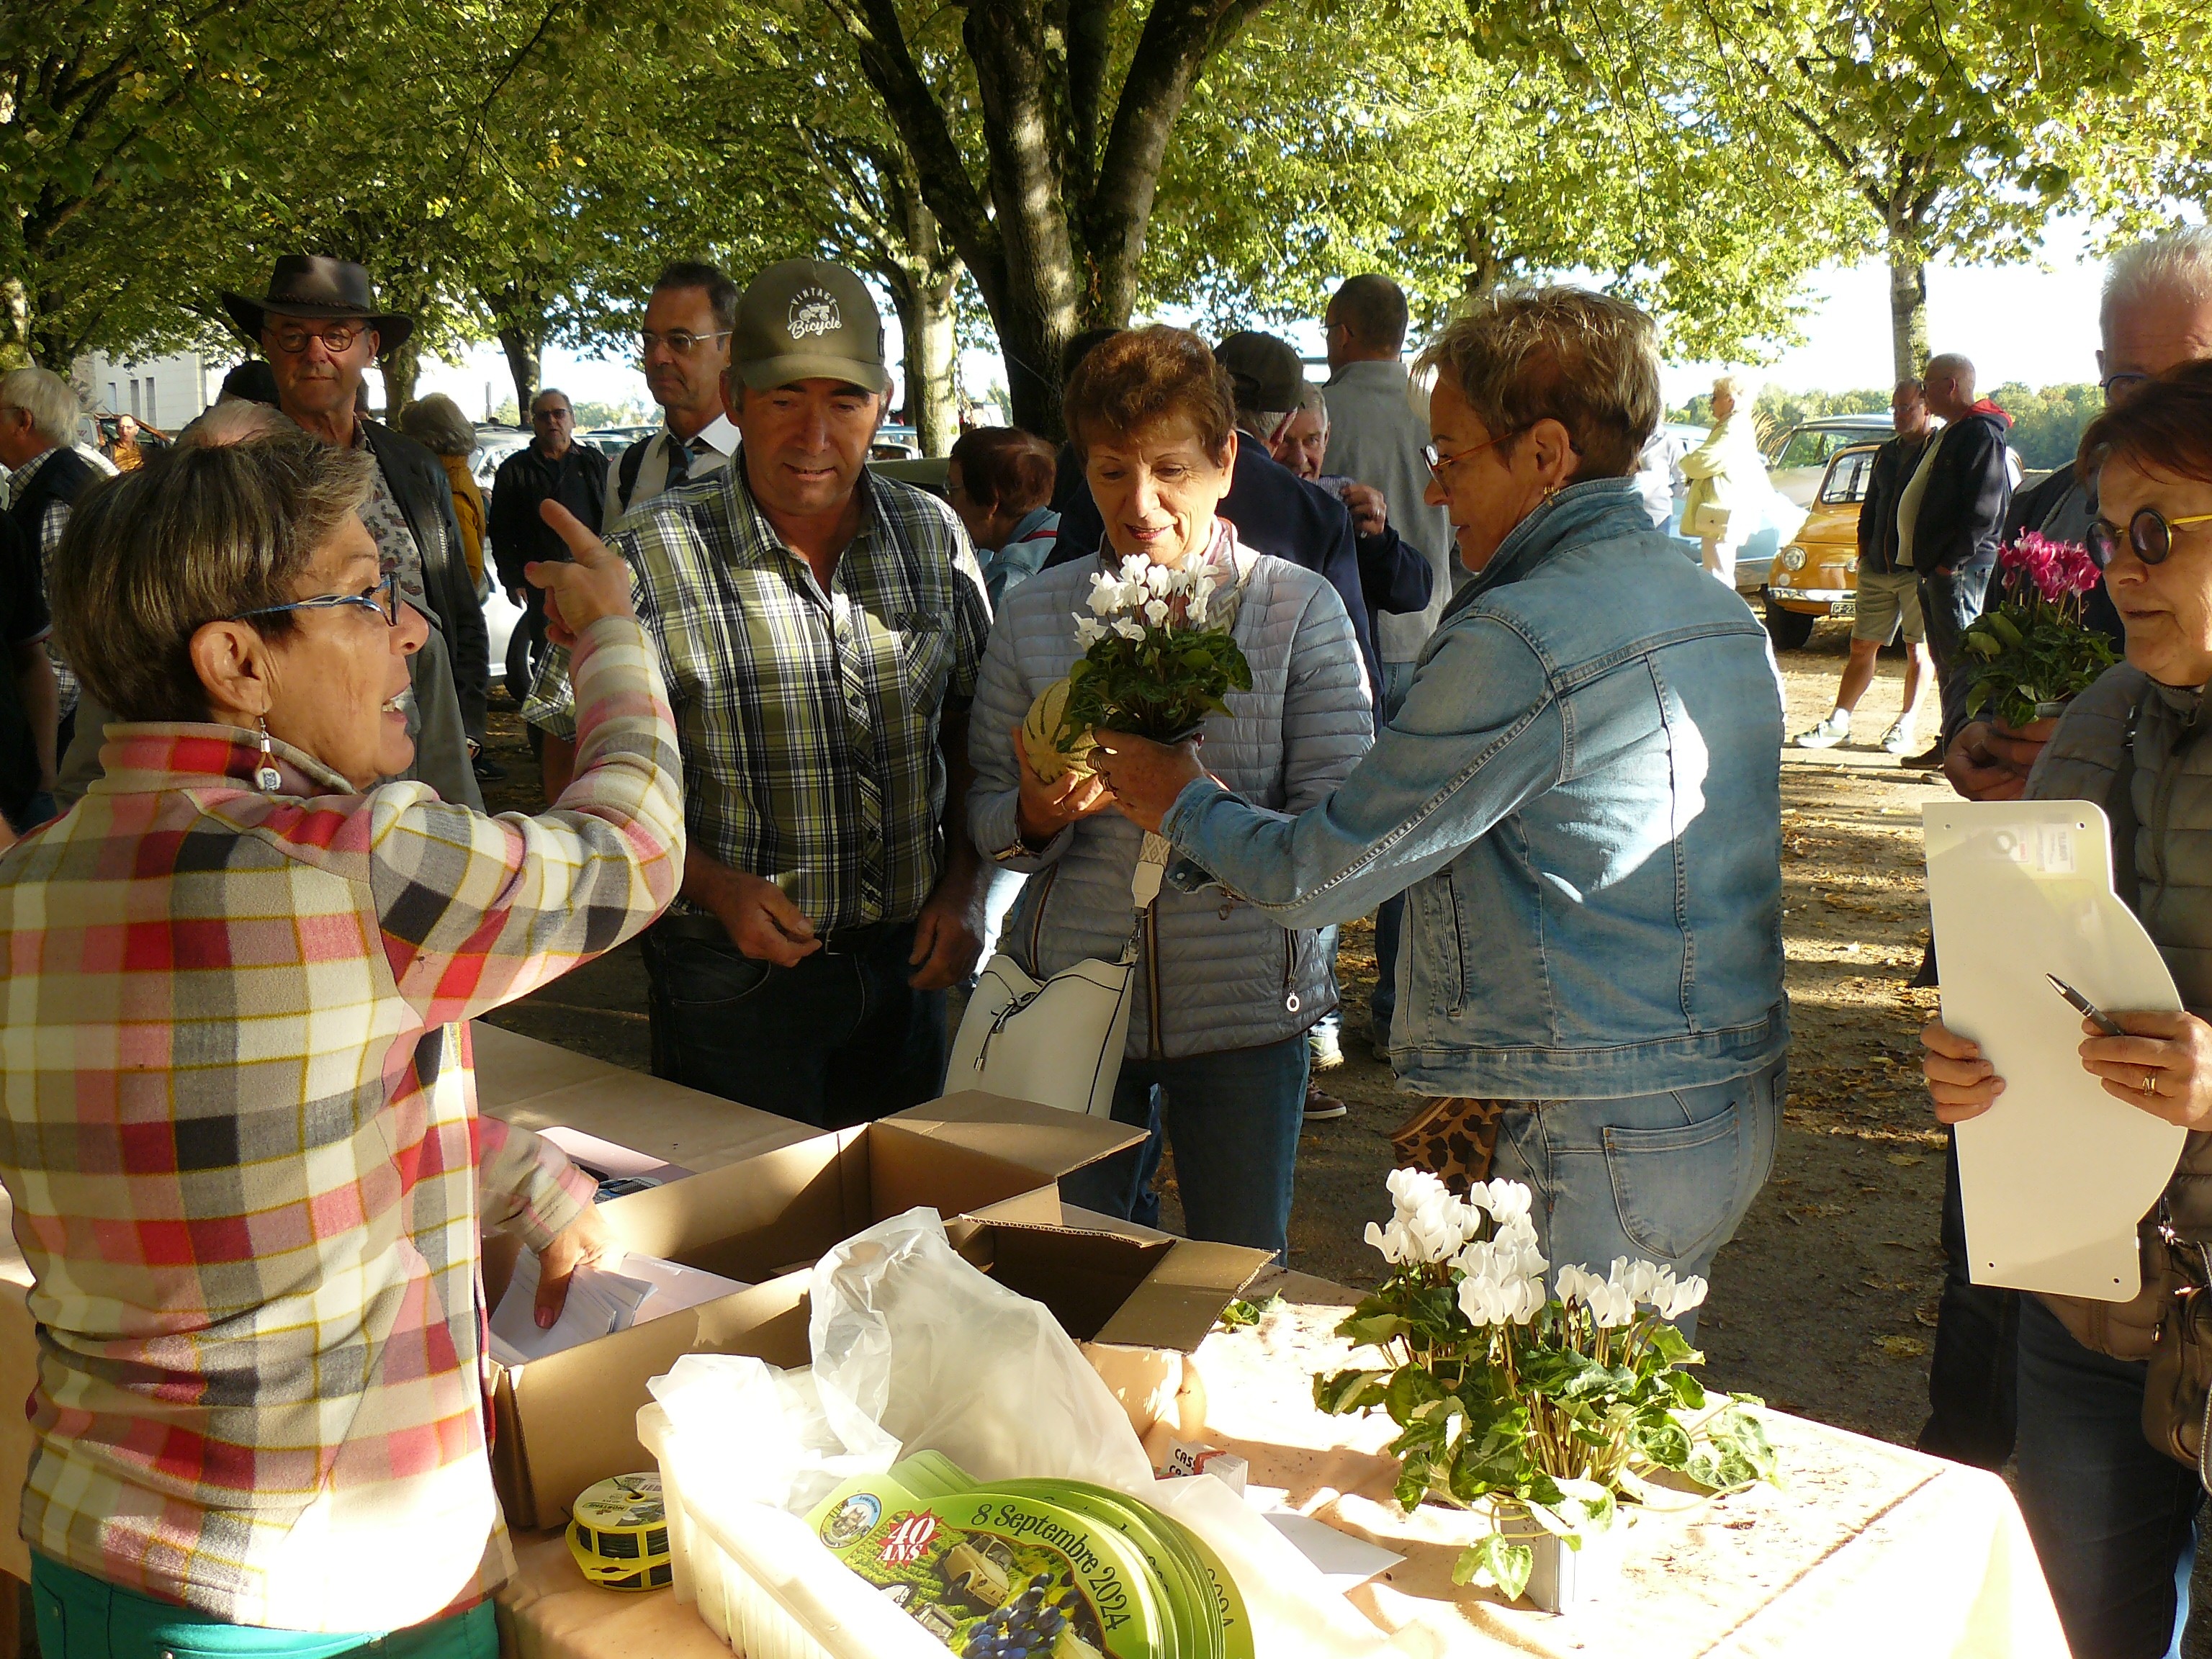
618 1533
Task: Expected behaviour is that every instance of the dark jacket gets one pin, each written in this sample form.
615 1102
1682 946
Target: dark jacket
1275 511
23 619
425 496
1893 469
525 479
62 477
1962 512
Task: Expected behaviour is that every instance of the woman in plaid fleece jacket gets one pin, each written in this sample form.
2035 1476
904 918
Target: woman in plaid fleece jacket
240 1131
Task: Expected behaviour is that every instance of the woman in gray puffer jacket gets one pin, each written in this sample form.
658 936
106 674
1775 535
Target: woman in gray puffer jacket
1222 996
2110 1512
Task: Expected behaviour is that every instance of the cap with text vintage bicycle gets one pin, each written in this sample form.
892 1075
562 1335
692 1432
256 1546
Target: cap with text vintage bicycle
808 319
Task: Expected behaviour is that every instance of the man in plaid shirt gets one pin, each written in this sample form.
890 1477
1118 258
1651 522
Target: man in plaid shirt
239 1127
820 630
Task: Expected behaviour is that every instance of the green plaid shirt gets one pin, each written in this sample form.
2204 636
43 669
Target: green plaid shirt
808 720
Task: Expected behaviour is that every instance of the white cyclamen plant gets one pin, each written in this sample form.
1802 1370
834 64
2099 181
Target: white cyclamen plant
1158 656
1504 1394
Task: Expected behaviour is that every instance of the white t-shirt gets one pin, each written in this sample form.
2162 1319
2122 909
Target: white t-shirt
1908 502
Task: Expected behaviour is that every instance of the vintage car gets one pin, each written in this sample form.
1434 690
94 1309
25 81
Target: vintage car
1798 457
980 1569
1816 576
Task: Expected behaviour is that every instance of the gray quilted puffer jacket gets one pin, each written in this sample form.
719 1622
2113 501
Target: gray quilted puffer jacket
2172 799
1212 972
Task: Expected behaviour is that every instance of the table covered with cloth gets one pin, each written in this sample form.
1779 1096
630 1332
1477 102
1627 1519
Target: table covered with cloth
1870 1547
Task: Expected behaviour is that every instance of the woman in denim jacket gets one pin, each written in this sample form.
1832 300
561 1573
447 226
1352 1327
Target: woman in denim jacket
1224 993
1580 798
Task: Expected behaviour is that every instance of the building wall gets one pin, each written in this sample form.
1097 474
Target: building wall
164 392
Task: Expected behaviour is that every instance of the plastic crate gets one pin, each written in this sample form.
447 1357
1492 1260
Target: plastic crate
761 1581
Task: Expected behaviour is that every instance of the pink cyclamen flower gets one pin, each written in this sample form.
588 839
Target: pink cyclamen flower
2059 569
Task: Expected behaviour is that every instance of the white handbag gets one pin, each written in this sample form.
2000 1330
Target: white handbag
1057 1041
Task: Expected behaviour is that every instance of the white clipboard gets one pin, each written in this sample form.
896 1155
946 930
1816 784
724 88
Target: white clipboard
2057 1173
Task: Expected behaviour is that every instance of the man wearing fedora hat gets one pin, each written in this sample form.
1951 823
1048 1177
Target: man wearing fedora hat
319 327
820 631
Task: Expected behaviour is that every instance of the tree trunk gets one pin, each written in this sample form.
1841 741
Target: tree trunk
14 324
525 360
401 368
932 393
1908 309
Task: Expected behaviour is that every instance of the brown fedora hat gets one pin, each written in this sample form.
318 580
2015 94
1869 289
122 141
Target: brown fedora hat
315 285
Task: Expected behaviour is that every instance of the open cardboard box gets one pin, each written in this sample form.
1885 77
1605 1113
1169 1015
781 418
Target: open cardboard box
988 1165
569 1420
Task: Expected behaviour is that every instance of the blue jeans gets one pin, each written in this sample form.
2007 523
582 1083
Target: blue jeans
2110 1515
1662 1177
1233 1118
82 1617
1390 914
1950 600
1973 1408
839 1039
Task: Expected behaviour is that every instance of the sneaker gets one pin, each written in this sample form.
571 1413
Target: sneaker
1898 740
1826 735
1320 1107
1323 1045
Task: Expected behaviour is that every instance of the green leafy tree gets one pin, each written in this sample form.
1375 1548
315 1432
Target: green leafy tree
1952 129
1309 153
1072 103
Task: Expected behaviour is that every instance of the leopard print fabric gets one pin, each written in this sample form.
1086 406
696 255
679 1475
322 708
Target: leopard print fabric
1452 1138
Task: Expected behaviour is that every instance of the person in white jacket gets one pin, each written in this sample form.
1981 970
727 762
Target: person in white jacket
1728 481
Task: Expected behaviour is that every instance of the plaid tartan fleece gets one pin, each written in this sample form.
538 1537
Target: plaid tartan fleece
242 1138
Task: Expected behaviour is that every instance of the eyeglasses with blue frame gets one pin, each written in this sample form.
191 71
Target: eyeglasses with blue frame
384 603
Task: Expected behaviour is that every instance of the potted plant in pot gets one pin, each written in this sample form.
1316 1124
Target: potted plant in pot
1158 657
2030 653
1543 1412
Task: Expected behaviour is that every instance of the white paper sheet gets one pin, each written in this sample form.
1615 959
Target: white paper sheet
1345 1561
2057 1173
626 1290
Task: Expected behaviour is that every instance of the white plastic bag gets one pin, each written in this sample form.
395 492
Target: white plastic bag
759 1434
907 1334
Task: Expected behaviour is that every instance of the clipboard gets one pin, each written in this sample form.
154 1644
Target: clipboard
2056 1175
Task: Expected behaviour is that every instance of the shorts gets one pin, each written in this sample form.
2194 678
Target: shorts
1887 597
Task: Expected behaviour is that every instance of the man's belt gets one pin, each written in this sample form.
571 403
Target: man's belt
839 942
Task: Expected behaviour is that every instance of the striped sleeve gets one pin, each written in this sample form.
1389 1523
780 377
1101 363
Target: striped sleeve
476 911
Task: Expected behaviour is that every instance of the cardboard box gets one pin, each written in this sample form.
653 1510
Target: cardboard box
536 1085
566 1421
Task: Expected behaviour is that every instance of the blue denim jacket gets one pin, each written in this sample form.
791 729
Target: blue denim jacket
1581 798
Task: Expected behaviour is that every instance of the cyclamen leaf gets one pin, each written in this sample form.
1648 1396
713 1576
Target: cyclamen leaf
1495 1561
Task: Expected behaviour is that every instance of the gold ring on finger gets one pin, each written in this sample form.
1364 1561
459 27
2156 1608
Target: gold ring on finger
2150 1083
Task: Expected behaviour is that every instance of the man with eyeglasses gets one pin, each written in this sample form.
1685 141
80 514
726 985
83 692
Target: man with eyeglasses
320 328
551 466
2156 313
684 348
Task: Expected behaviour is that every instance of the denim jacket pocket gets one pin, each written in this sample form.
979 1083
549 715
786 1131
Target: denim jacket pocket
1668 1184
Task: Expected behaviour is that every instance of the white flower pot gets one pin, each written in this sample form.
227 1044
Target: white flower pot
1564 1579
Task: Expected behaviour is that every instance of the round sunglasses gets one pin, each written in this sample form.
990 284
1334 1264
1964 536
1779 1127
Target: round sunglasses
2150 536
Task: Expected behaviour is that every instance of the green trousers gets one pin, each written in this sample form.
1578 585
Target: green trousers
81 1616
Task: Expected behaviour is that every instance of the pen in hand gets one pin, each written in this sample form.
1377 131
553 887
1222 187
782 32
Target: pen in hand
2096 1016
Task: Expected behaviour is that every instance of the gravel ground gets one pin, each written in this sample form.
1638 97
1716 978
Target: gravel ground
1824 1303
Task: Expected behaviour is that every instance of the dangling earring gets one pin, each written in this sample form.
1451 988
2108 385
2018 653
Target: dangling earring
266 778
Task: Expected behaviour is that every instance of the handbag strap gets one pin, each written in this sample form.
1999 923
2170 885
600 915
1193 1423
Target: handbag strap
1145 887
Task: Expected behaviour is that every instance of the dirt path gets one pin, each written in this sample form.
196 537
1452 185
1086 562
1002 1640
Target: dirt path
1824 1302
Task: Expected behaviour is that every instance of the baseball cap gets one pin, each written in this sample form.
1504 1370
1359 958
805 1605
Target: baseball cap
1267 371
807 319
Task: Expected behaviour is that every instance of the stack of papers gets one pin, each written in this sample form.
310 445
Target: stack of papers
626 1289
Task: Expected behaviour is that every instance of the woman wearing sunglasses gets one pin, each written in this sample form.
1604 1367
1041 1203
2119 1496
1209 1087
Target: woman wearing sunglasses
2110 1514
240 1133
